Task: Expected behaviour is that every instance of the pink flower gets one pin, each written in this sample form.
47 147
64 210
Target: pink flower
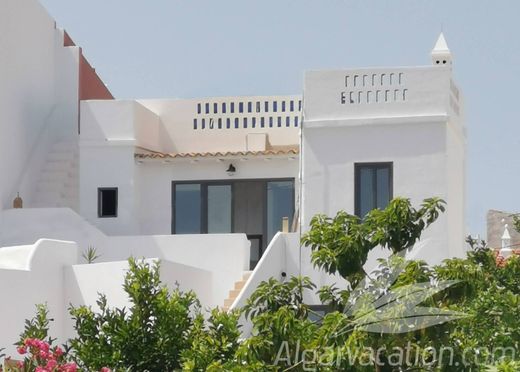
105 369
51 364
20 365
21 350
58 352
69 367
41 369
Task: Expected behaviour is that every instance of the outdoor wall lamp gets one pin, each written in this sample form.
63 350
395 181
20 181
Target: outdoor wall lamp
231 170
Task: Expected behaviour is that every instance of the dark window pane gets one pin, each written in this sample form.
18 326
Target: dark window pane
367 200
219 209
383 187
275 106
203 123
107 202
258 107
250 107
207 108
194 123
262 122
241 107
187 209
287 121
228 123
373 187
245 122
280 204
253 124
236 122
223 107
279 121
215 108
283 106
296 121
266 108
199 108
219 123
291 106
232 109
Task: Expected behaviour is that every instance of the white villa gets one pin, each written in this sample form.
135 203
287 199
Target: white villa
219 189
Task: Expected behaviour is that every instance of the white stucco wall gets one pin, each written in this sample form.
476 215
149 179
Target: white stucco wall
38 94
111 132
156 177
35 276
52 272
421 133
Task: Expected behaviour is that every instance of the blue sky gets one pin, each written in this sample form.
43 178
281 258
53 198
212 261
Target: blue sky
193 48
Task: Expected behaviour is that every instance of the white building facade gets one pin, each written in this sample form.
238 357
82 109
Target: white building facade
205 185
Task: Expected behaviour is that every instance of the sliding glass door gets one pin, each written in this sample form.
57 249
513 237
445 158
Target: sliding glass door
202 208
219 209
256 208
188 208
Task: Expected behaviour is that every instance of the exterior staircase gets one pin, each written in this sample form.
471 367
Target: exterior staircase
58 184
235 292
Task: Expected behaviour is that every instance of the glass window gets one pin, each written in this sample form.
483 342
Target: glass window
280 204
207 108
107 202
253 124
194 123
219 123
299 105
258 107
236 122
215 108
245 122
228 123
199 108
287 121
275 106
270 121
266 106
250 107
291 106
232 107
283 106
223 107
188 203
373 185
296 121
219 209
203 123
279 121
241 107
262 122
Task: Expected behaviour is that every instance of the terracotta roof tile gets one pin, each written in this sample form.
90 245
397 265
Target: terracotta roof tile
149 154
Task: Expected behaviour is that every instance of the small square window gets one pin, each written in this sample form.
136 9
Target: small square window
107 202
